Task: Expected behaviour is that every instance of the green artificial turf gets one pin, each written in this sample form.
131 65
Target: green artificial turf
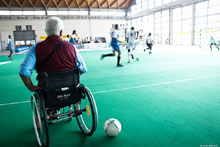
169 98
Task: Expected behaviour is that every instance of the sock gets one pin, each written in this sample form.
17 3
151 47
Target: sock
108 55
129 57
118 62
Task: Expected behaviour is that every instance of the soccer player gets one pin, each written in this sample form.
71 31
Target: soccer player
132 36
213 42
149 43
115 46
10 47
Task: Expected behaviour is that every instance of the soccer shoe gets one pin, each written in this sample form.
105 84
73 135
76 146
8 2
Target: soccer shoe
120 65
137 59
150 52
10 58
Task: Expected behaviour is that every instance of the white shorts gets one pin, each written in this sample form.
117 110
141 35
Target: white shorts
131 45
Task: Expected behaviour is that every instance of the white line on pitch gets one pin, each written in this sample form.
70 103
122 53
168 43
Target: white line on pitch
136 87
1 63
157 84
14 103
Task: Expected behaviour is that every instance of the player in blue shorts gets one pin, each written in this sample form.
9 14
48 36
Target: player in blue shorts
114 44
10 47
74 38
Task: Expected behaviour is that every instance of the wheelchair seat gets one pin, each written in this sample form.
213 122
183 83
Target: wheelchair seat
61 88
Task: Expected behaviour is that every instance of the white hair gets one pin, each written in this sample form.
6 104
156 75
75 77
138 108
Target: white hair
53 26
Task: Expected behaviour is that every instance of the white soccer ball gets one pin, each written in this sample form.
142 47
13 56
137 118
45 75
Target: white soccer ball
112 127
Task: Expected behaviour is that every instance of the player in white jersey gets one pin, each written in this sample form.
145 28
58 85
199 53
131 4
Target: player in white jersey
132 36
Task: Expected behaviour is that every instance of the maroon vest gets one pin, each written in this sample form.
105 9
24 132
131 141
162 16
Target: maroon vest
63 59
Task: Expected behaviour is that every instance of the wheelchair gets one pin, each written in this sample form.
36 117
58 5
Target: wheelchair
62 93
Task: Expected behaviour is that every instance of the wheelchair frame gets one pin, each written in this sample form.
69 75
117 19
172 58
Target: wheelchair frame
84 110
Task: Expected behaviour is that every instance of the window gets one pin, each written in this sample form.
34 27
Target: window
62 12
201 9
117 13
144 5
39 13
150 4
28 12
18 28
4 12
187 12
133 9
177 14
52 12
100 13
16 12
166 2
158 3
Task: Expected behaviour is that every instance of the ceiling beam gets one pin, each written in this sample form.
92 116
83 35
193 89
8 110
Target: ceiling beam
66 4
48 2
108 4
18 3
10 3
88 3
5 3
55 3
92 3
77 3
23 3
113 3
35 3
31 3
103 3
59 3
122 3
44 4
81 3
98 3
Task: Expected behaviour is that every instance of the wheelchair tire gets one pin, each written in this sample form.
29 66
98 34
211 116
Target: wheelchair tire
40 120
88 120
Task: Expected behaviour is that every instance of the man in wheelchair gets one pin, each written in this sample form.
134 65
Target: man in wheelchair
58 65
50 55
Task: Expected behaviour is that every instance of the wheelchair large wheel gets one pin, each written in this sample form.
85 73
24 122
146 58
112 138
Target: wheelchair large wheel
40 120
88 120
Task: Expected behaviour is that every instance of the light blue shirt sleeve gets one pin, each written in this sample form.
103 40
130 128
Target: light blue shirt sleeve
29 62
80 62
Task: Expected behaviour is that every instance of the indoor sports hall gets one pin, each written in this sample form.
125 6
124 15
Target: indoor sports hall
110 73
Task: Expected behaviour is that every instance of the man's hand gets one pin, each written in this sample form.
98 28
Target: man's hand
28 83
35 88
